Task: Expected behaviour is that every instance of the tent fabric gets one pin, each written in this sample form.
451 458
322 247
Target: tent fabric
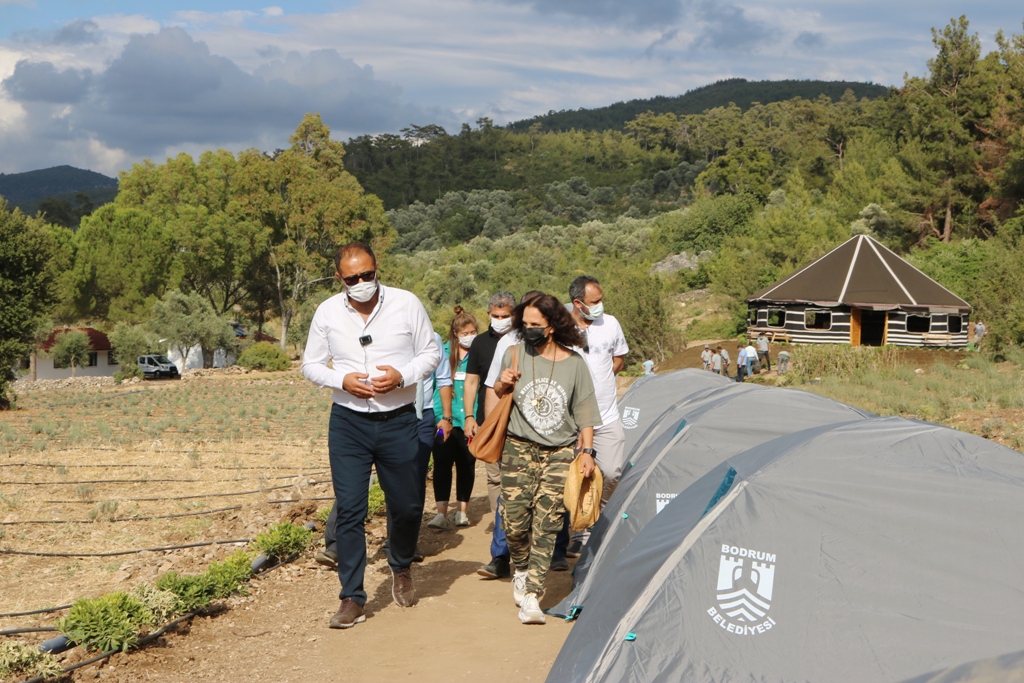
1008 668
650 396
862 272
870 550
690 438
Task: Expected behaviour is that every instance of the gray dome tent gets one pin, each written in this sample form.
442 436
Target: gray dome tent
687 441
651 395
873 550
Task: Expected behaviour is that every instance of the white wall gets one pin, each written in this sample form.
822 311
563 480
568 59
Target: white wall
221 359
45 369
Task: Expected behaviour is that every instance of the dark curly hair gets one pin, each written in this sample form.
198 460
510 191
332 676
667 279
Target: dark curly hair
566 333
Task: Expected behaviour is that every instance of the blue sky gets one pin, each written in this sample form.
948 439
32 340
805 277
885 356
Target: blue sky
102 84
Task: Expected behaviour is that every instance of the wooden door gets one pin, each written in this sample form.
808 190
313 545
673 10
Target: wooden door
855 327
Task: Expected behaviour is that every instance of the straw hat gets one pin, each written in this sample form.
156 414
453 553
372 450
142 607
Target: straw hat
583 496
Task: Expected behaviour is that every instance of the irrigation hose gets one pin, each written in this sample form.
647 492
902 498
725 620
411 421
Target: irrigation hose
123 519
35 611
33 629
144 641
146 481
33 553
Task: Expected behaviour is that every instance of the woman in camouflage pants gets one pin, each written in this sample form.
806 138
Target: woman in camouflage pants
554 408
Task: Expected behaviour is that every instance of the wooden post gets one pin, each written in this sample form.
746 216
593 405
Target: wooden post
854 327
32 366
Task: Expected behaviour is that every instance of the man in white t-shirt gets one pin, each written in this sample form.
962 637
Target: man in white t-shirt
605 354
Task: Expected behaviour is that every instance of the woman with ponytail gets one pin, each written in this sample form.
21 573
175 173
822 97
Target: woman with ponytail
454 452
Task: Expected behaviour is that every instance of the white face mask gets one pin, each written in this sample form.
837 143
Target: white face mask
466 340
362 291
596 311
501 325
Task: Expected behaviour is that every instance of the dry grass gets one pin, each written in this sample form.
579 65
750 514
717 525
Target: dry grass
100 456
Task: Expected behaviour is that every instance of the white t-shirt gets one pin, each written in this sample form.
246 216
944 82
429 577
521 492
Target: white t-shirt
751 353
507 341
605 341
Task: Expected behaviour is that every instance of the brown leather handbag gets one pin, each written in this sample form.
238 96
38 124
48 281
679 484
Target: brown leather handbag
489 441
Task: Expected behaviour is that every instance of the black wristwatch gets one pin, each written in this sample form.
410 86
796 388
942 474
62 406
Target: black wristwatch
447 419
589 451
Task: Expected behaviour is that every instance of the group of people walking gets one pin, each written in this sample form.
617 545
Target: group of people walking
753 354
400 393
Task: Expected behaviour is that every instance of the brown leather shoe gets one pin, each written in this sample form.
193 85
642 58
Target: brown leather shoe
401 588
348 615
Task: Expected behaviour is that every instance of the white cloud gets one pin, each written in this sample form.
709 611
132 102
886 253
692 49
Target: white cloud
273 11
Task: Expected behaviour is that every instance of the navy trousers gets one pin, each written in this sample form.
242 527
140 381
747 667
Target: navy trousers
357 443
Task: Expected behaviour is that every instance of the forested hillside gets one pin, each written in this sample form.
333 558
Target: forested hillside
935 170
59 180
738 91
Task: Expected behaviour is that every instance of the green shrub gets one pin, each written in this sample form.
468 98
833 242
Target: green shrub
128 371
826 360
18 660
377 504
191 591
163 604
282 540
110 622
231 575
322 514
264 356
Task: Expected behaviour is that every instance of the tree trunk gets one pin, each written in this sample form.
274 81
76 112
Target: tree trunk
74 368
286 321
947 229
207 356
32 366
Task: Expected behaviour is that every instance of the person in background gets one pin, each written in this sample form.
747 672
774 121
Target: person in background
705 357
783 363
763 347
371 345
716 362
554 409
454 451
499 313
979 334
648 367
741 362
751 357
724 353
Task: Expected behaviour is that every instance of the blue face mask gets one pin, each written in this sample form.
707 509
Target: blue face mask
594 312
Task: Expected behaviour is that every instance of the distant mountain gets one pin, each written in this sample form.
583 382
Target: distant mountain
29 188
740 91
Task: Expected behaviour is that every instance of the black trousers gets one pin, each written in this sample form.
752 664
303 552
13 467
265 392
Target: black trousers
454 453
356 443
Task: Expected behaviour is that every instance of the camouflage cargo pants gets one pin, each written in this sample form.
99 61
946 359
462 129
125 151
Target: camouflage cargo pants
532 498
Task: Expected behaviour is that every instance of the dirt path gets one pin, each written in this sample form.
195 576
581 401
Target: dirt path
464 628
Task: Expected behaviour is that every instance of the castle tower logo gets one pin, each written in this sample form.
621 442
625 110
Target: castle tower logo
746 583
630 417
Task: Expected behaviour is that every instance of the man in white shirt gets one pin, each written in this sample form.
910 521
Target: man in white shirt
750 353
380 343
605 354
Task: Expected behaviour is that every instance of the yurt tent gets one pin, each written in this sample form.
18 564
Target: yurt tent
873 550
860 293
692 438
651 395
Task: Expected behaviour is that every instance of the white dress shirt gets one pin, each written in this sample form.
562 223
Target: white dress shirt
402 338
507 341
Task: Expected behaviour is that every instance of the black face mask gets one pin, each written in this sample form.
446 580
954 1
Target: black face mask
534 336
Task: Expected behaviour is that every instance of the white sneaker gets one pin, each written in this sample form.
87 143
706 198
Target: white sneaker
461 518
439 522
530 611
519 587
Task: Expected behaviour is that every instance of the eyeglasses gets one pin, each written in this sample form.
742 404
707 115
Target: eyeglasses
368 276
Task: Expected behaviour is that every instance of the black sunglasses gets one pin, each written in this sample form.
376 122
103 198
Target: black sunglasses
368 276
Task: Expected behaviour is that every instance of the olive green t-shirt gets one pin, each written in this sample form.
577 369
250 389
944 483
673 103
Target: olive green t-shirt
553 405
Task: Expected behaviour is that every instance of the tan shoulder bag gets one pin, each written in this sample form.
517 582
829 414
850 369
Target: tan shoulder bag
489 441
